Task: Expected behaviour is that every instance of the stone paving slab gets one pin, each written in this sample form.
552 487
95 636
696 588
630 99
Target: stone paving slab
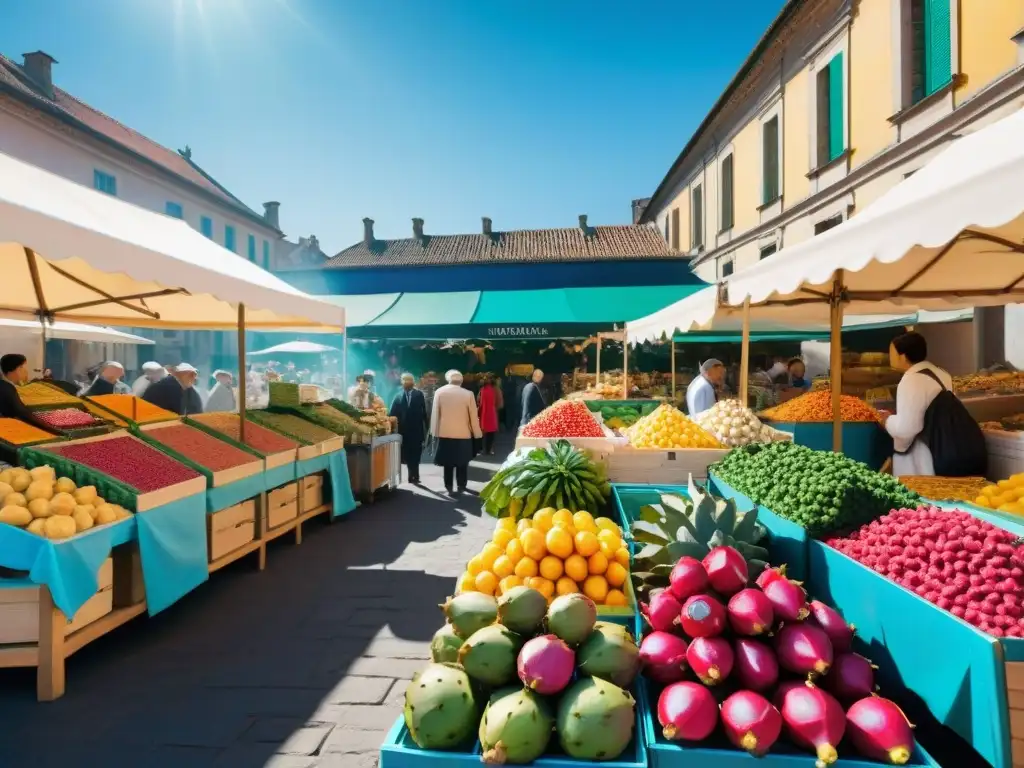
302 666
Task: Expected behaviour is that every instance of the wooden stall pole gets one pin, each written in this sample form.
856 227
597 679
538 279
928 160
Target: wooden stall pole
672 358
625 367
597 378
836 359
241 373
344 364
745 354
50 674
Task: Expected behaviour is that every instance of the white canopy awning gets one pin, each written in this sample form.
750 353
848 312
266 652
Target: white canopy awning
70 331
951 235
295 347
101 260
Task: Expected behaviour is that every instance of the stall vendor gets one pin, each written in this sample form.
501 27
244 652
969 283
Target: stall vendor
176 393
701 395
360 395
106 380
14 370
795 382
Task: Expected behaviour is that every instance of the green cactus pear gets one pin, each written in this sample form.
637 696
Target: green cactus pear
440 708
469 612
489 656
516 727
571 617
610 655
522 610
444 647
595 720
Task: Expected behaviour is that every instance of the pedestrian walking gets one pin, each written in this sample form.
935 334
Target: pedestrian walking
487 409
454 424
410 408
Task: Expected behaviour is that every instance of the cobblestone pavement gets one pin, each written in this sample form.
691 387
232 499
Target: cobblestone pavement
303 665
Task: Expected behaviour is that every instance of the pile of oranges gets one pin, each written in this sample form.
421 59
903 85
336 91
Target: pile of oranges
557 553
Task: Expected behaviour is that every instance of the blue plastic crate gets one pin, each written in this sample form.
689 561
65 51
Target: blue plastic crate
864 441
719 753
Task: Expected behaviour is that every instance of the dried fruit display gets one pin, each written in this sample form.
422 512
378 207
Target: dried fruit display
134 408
948 488
68 418
566 418
37 393
103 413
15 432
817 406
129 461
969 567
260 439
198 446
291 426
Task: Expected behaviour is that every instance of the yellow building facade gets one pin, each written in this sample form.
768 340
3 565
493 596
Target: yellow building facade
840 101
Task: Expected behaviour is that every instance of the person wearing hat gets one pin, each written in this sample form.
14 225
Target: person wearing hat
454 423
176 393
701 395
222 395
152 372
106 380
410 408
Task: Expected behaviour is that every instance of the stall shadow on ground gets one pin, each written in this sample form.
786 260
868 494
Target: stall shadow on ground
303 665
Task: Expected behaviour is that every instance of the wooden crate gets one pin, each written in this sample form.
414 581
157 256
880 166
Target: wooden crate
308 451
282 506
332 446
231 529
656 466
19 609
1015 701
311 492
221 477
129 587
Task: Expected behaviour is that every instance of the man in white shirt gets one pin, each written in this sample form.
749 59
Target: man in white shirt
700 395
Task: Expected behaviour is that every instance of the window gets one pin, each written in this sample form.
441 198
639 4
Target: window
727 268
675 229
697 217
928 64
229 237
266 254
827 224
768 250
174 209
252 248
770 160
206 226
727 194
830 122
104 182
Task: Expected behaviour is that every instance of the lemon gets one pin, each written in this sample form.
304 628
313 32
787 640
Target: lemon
596 588
597 564
514 551
542 585
622 556
533 544
489 554
576 567
467 583
504 567
506 524
562 517
587 543
486 582
609 550
526 568
616 597
981 501
502 537
611 537
615 575
524 525
566 586
606 524
475 565
542 519
584 521
559 542
551 568
507 583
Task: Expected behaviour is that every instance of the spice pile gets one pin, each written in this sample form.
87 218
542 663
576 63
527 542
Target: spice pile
668 427
949 488
68 418
200 447
129 461
291 426
284 395
134 408
260 439
565 418
817 406
15 432
37 393
969 567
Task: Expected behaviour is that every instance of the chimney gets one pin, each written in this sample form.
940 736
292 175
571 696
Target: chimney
639 206
487 225
368 237
38 66
314 243
270 213
417 228
583 223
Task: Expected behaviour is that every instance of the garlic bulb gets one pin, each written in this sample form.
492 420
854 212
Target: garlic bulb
735 425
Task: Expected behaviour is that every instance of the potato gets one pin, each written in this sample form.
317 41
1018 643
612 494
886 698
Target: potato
37 527
83 521
122 513
105 513
6 476
39 508
87 508
43 473
18 516
5 488
65 485
63 504
39 489
15 500
21 480
86 495
59 527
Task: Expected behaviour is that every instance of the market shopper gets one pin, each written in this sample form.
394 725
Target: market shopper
360 396
176 393
222 394
152 372
454 425
701 395
410 408
487 409
106 380
13 373
533 398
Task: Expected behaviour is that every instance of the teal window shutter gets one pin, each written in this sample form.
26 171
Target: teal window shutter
836 121
104 182
206 226
938 64
252 248
229 237
266 254
175 210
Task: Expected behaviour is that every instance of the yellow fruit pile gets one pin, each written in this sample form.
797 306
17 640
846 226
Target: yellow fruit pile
668 427
1005 496
556 553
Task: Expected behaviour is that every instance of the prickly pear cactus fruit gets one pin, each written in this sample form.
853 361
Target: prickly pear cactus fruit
610 655
469 612
572 617
516 727
440 708
522 610
595 720
444 647
489 656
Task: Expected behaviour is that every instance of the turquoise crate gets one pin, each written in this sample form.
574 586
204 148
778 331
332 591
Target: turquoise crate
954 669
717 752
862 440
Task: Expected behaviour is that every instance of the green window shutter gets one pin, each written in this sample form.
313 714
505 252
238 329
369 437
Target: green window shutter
938 65
770 160
835 107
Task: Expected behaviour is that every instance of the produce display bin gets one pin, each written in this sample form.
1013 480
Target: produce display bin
658 465
151 434
717 752
311 492
270 460
638 405
1005 453
230 530
375 466
969 681
598 447
863 441
282 506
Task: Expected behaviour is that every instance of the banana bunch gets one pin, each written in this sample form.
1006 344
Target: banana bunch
558 476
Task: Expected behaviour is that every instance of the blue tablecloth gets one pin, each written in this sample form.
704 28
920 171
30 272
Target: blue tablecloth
311 466
172 547
272 478
234 493
341 484
68 568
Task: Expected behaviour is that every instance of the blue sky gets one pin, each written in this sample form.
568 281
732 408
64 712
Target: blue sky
527 111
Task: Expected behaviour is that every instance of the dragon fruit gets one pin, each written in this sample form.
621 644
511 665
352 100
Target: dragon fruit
522 610
687 712
789 601
711 659
688 578
489 656
445 645
852 677
440 709
610 655
803 649
879 730
663 657
756 667
662 613
833 625
516 727
768 575
750 612
571 617
702 616
726 569
813 720
546 664
595 720
751 722
469 612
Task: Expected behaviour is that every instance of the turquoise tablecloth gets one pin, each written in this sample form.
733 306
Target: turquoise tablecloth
341 484
277 476
172 547
311 466
235 493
